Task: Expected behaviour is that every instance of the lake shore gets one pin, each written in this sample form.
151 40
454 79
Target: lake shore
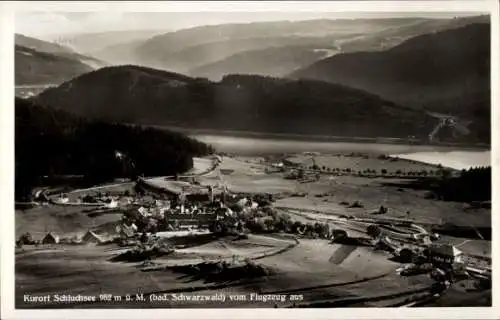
196 133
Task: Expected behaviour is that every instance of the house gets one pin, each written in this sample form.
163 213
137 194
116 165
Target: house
50 238
143 211
92 237
112 204
63 199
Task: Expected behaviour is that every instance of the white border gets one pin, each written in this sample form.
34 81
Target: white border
7 151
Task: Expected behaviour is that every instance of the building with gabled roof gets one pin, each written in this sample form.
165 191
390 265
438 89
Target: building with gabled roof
50 238
92 237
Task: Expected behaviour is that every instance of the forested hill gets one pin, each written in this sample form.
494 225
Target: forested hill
239 102
53 142
35 68
447 71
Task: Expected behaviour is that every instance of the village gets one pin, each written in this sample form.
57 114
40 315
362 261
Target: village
162 218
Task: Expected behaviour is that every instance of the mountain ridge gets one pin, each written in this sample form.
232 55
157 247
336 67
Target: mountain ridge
141 95
444 68
39 68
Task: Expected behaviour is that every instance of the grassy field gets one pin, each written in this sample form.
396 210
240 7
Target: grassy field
63 221
243 175
112 188
372 193
200 166
362 163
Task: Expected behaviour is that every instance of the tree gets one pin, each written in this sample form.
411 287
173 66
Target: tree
269 223
26 238
325 231
309 228
339 234
138 189
297 226
373 231
383 171
445 174
318 228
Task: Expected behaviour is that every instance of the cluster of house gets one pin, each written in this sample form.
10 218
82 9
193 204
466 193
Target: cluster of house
164 208
182 211
90 237
161 208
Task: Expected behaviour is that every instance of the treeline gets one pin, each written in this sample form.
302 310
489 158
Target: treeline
471 185
52 143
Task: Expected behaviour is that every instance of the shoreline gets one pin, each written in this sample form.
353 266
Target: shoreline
193 132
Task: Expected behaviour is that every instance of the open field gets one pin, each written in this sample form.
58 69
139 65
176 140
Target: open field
63 221
200 166
372 193
241 176
361 163
304 269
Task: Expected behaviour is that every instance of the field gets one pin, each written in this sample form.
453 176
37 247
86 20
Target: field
322 273
361 163
63 221
244 175
304 269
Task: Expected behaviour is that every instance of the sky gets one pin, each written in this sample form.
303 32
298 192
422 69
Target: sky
49 24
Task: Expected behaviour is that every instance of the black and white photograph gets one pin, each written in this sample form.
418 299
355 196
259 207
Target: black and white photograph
252 160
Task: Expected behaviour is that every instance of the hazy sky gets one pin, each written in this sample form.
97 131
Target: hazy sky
44 24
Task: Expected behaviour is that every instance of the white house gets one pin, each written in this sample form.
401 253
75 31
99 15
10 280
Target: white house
143 211
112 204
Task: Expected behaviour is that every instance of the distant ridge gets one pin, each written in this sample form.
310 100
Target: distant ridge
33 67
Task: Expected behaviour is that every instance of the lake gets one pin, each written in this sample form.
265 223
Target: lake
453 157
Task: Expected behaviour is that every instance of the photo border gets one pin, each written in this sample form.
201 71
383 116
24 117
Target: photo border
7 11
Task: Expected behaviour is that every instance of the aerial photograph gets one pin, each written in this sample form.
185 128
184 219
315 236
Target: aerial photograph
252 160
